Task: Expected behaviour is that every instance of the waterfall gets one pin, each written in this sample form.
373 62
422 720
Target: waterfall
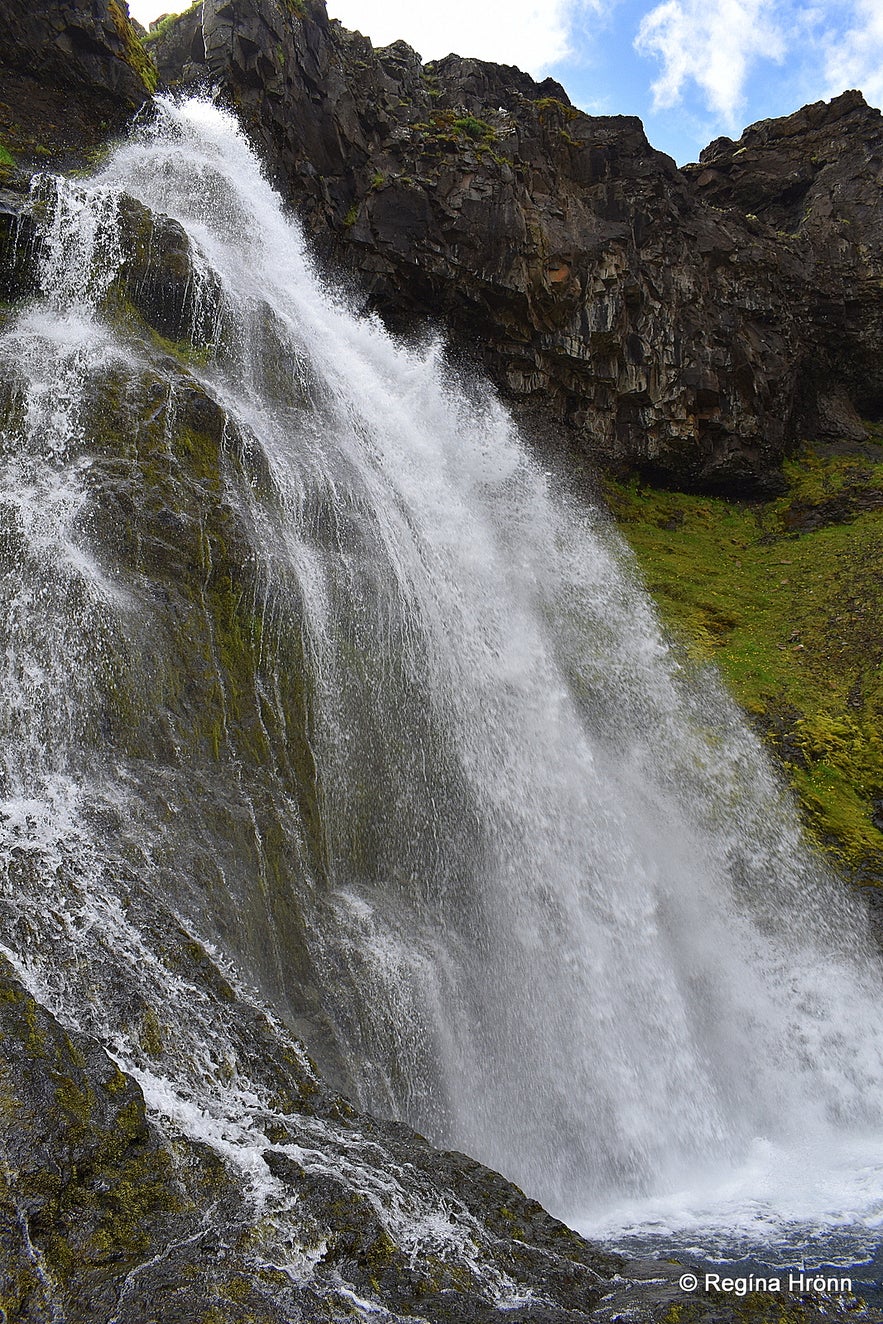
408 752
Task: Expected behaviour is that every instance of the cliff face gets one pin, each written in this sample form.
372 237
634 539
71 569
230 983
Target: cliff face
691 325
70 72
678 323
815 177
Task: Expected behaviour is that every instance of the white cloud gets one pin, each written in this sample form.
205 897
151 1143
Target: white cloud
532 34
854 58
712 43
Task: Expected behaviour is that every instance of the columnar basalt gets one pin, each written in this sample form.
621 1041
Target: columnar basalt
677 322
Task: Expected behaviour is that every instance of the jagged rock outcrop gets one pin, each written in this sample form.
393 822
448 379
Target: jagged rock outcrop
679 332
102 1219
815 178
70 72
692 325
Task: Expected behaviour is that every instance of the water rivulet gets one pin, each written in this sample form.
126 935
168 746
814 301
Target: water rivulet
315 683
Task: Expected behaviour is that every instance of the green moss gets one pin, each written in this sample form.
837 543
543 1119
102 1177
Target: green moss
192 958
97 1200
786 598
474 128
6 157
135 53
116 1083
214 643
753 1308
445 126
161 28
153 1034
168 22
75 1101
547 106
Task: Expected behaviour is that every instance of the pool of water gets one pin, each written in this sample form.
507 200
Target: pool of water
807 1209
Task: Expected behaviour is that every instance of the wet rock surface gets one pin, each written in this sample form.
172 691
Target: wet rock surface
173 1154
664 319
105 1216
102 1216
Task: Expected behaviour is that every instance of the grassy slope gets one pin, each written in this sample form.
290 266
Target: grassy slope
787 598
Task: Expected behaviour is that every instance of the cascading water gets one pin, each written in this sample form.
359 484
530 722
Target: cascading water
531 887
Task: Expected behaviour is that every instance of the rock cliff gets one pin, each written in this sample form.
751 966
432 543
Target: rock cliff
70 73
692 325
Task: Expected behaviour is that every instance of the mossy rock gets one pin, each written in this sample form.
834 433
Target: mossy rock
785 597
83 1167
158 278
135 53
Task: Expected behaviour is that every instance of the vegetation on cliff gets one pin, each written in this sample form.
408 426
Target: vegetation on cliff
785 596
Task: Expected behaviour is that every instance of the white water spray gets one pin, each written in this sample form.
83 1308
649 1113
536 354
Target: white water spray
563 919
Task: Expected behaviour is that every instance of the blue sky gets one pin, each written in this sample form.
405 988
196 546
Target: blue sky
691 69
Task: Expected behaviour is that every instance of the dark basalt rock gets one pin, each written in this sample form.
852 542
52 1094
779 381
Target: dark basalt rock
102 1218
691 325
158 277
814 177
18 244
70 72
682 323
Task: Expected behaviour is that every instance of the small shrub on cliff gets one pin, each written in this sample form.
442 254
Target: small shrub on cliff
546 104
474 128
169 21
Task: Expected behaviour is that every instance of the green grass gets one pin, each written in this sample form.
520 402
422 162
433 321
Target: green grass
160 30
474 128
787 599
546 106
447 126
